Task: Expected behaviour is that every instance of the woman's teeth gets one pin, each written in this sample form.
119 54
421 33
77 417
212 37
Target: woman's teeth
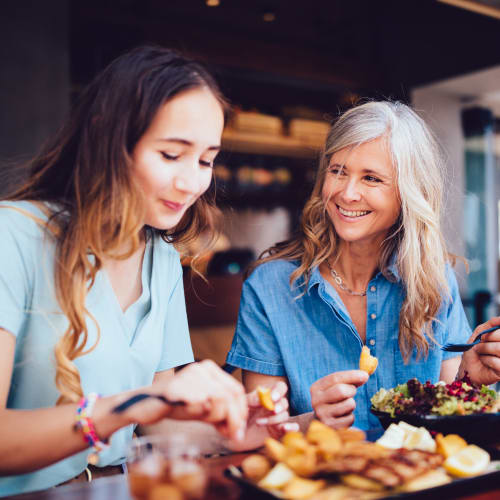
350 213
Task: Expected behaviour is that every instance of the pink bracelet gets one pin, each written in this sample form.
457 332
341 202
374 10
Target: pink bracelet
86 424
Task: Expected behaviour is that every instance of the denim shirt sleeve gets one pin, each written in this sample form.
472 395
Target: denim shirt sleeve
454 325
254 346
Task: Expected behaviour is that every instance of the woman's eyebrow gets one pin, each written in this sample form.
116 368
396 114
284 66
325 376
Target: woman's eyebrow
370 171
185 142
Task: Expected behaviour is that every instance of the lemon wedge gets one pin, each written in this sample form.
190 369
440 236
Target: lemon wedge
469 461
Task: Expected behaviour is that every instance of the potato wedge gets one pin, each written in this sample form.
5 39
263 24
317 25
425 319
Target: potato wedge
367 362
361 483
295 441
351 434
265 399
275 450
255 467
303 462
299 488
430 479
277 477
319 432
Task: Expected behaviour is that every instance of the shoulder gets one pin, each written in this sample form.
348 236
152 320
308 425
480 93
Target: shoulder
451 278
275 273
22 218
167 253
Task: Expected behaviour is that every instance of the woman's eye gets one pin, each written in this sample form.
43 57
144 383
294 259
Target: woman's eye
370 178
169 156
206 163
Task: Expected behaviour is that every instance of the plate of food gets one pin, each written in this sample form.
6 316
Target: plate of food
459 407
327 464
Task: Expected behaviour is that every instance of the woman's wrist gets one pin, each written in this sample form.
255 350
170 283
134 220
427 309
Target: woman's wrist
105 421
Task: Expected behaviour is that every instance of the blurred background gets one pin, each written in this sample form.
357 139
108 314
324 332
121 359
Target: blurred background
288 67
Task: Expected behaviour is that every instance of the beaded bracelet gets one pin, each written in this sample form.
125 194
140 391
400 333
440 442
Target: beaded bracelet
86 424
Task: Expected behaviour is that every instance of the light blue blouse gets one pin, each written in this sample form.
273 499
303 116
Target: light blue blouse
306 338
151 336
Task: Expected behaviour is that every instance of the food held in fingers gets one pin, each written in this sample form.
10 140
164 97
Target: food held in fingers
265 398
367 362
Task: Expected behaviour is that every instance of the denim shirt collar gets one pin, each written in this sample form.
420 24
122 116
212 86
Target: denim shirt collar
391 274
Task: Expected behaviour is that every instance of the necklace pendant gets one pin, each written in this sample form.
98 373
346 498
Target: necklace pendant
340 282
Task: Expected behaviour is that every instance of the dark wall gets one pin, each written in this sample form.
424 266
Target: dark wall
34 76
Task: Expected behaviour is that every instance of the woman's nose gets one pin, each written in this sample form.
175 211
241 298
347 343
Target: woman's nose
187 179
352 190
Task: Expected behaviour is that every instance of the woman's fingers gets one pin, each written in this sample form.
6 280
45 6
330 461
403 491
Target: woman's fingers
212 396
278 392
337 410
233 393
278 431
273 419
333 394
350 377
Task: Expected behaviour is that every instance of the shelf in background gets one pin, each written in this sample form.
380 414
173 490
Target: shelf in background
277 145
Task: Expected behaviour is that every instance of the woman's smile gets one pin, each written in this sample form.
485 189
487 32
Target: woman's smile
352 214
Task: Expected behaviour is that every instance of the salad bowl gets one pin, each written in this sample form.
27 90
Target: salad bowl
457 408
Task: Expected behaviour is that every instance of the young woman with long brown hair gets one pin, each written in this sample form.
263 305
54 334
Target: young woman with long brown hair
368 266
91 295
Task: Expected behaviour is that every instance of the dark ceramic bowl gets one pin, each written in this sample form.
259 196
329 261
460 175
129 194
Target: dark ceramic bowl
479 428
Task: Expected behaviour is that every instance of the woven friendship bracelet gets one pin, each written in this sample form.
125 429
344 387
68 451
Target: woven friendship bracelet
86 424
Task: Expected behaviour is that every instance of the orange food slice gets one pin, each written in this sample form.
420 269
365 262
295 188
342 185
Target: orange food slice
450 444
265 399
367 362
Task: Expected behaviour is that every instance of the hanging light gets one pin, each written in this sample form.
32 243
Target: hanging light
212 3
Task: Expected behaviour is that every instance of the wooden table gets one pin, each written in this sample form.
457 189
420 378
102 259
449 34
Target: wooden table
116 488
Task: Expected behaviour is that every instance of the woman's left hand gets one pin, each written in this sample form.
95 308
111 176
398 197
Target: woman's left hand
482 362
264 423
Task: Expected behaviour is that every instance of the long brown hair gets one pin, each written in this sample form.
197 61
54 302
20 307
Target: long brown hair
85 175
416 238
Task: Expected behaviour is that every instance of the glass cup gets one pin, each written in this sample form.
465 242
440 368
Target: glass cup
162 467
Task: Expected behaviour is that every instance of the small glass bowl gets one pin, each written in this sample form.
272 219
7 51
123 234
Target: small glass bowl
165 467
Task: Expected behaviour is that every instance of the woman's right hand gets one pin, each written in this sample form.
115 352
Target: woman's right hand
210 394
332 397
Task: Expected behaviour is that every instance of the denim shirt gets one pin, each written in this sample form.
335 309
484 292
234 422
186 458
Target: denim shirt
309 337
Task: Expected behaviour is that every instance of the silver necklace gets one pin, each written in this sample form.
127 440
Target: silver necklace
340 282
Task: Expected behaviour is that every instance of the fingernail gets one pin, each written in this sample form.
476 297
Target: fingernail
275 396
291 426
240 434
261 421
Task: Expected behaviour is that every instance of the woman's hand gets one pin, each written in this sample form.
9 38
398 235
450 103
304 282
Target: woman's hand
210 394
263 423
332 397
482 362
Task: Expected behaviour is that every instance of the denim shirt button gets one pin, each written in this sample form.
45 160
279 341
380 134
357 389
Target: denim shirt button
373 316
372 342
373 288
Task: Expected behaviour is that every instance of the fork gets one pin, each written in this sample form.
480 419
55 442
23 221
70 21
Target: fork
139 397
466 347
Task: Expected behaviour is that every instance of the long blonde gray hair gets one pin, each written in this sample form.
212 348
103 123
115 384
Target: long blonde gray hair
416 238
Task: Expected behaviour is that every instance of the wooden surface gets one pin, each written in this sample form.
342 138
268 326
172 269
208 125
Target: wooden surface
116 487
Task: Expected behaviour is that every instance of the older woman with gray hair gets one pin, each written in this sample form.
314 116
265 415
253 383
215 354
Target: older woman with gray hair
367 266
